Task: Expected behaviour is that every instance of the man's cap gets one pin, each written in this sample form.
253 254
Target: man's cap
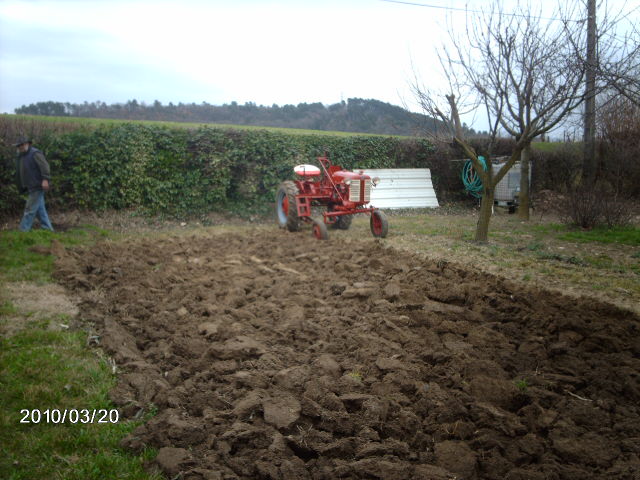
21 141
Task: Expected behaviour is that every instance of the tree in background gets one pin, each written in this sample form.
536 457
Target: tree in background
54 109
355 115
528 76
521 70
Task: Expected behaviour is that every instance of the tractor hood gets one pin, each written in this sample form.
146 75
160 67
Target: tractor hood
344 175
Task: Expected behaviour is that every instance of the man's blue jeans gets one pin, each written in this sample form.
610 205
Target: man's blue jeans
35 207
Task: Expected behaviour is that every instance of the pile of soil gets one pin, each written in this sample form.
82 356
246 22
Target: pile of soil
274 356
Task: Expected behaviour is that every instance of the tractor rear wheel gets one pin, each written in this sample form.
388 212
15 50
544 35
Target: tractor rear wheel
319 229
286 206
379 224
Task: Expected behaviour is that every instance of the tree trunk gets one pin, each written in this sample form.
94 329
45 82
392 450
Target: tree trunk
523 199
486 208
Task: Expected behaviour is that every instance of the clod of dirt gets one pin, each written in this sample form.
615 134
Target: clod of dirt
392 291
326 364
249 406
172 461
281 411
241 347
209 329
457 457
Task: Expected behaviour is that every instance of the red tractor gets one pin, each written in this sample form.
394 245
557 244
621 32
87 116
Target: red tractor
343 193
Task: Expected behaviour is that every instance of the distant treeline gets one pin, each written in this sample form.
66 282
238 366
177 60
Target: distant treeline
354 115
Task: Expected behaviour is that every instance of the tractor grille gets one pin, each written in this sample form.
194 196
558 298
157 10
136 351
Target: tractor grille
354 190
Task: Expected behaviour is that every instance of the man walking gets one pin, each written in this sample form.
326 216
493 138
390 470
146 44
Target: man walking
32 175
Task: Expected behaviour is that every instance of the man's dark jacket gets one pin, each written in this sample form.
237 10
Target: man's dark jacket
31 169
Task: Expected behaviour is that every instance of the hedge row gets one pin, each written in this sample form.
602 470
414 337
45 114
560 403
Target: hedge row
173 171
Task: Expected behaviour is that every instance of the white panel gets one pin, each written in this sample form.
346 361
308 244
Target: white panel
402 188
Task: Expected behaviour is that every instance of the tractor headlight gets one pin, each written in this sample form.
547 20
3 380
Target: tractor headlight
375 181
347 182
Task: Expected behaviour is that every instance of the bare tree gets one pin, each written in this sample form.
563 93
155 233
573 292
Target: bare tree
524 74
445 106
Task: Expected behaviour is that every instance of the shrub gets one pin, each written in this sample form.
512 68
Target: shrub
558 169
590 206
176 171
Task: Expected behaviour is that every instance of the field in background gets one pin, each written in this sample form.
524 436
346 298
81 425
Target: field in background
97 122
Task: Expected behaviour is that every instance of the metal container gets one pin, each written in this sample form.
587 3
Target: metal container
507 190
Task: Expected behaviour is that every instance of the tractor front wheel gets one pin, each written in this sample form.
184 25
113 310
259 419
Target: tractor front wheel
319 229
286 206
379 224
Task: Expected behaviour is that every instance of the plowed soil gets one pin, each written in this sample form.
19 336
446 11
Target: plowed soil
270 355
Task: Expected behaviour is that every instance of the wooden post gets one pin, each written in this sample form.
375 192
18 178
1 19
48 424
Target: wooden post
524 204
589 137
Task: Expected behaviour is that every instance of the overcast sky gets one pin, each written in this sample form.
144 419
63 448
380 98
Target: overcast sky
219 51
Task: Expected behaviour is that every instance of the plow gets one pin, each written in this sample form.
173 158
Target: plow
340 194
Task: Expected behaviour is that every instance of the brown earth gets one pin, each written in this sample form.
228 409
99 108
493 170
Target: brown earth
269 355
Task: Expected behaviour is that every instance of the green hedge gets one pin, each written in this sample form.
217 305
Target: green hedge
174 171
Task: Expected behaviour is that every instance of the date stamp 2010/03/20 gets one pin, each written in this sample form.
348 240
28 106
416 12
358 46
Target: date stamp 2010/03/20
73 415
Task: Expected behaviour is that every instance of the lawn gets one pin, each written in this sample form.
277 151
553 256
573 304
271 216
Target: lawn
46 365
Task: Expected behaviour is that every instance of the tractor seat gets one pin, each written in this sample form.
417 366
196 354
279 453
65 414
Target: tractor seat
307 170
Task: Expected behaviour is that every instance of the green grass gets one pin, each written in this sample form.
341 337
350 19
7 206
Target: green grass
97 122
553 146
549 228
623 235
19 261
45 369
432 226
545 146
570 259
600 261
536 246
7 308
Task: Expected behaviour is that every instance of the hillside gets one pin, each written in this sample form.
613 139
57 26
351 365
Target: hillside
354 115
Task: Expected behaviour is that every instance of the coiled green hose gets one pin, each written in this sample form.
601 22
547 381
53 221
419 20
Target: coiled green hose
471 179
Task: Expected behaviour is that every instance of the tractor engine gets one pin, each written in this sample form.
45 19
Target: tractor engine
354 187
